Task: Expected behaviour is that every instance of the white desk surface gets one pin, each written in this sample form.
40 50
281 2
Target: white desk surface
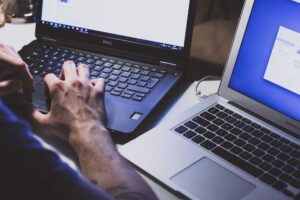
21 34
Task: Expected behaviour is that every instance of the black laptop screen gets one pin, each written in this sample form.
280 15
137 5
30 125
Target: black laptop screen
158 23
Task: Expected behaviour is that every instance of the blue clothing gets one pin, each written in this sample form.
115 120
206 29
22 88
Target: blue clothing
28 171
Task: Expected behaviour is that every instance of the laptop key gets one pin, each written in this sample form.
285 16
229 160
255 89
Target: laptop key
236 150
138 89
258 153
266 138
239 124
218 122
181 129
295 154
152 83
137 98
249 148
255 161
264 146
265 166
201 121
218 140
275 172
288 169
227 145
254 141
257 134
268 179
227 126
213 128
208 116
133 82
222 115
239 142
278 163
273 151
115 93
221 132
230 137
198 139
230 157
213 110
220 107
286 148
191 125
156 75
290 194
296 174
208 145
295 183
209 135
268 158
236 131
286 178
230 120
200 130
245 136
283 156
189 134
246 155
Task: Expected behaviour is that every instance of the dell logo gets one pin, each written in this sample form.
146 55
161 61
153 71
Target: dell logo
107 42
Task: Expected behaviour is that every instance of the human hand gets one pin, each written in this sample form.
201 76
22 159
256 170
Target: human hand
10 61
77 104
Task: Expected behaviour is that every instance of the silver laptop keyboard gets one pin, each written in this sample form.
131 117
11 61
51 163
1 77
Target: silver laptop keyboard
260 152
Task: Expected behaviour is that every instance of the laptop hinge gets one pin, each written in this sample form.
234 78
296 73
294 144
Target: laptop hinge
49 39
167 64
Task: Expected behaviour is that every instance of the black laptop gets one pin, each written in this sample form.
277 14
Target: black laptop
139 47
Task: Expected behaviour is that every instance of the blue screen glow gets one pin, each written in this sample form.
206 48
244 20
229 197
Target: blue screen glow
268 65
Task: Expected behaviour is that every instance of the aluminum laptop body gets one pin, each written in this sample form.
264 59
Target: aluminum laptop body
189 153
141 48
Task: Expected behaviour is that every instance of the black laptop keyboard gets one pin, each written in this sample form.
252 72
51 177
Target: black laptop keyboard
255 149
123 79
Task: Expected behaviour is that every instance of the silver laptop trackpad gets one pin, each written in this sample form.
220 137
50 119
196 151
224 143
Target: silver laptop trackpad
207 180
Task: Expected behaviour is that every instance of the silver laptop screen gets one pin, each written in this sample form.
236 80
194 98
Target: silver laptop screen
160 23
268 65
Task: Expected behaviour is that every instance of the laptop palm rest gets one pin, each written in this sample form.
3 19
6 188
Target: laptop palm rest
207 180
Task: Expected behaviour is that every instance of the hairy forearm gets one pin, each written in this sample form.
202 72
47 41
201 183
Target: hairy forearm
101 163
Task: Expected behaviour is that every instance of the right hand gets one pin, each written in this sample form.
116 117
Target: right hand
77 104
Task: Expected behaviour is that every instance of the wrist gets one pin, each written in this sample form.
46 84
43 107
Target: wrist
88 137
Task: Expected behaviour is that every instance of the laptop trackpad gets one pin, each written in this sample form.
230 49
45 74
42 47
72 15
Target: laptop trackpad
207 180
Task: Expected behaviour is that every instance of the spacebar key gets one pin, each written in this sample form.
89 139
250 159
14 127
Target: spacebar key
138 89
254 171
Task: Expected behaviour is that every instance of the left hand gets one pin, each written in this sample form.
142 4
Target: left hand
11 61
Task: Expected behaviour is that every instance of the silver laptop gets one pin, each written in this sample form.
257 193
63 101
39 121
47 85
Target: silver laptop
242 143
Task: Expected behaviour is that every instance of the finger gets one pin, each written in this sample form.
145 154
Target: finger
83 73
98 95
10 86
99 87
17 65
52 83
69 71
38 118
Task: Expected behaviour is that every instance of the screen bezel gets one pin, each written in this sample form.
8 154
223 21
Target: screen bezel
225 91
119 44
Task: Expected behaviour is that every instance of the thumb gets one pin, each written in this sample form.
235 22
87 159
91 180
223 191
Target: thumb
38 118
10 86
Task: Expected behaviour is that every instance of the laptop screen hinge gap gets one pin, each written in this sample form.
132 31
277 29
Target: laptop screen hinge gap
167 64
47 39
